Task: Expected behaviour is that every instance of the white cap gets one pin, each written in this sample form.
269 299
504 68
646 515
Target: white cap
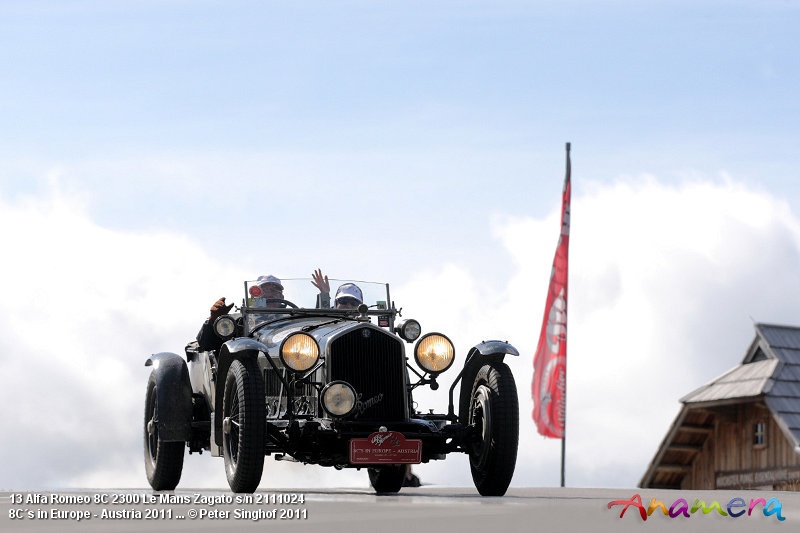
349 290
263 280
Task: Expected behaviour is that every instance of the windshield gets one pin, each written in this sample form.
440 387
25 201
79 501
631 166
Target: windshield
263 303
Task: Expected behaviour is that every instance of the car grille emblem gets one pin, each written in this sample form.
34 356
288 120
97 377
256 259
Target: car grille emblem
363 406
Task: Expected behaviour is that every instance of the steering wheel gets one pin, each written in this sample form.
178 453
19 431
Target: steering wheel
280 300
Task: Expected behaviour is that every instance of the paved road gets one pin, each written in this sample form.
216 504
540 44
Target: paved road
419 510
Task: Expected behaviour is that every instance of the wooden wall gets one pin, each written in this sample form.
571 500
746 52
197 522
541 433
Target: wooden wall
730 460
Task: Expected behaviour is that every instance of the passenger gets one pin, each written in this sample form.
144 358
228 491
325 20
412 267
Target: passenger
348 295
207 340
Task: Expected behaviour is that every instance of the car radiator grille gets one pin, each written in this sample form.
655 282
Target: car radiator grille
374 364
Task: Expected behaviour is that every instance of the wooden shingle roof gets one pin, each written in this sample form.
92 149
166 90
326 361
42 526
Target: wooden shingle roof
783 398
744 381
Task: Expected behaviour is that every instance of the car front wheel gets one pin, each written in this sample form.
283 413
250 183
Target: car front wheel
243 425
163 461
494 415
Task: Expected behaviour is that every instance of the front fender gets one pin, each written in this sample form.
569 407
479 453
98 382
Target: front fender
174 396
479 355
487 348
240 348
243 344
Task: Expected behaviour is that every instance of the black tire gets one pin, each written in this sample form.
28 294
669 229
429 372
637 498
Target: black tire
243 425
163 461
387 479
494 411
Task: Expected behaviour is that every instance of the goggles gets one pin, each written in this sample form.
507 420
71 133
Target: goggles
267 289
348 302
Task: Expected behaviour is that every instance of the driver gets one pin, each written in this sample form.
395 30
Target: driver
207 340
269 288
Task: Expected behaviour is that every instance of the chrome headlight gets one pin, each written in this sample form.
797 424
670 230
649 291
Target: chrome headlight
434 352
299 352
224 326
408 330
338 398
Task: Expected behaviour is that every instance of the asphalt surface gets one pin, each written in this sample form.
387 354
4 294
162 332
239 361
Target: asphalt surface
413 509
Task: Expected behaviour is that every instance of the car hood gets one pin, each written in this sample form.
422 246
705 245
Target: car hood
322 328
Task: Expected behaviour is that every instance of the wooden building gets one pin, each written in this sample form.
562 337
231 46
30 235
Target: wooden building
741 430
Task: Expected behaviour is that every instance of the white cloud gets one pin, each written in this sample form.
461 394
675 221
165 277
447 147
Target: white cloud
83 308
663 282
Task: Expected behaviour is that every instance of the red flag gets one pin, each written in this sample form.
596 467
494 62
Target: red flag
549 387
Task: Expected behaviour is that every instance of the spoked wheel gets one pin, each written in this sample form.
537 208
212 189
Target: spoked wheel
387 479
243 425
163 461
494 413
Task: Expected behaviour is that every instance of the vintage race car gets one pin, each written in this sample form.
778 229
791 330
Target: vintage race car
330 387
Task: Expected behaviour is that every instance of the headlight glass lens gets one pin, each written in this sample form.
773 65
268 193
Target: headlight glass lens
338 398
410 330
434 353
224 326
299 352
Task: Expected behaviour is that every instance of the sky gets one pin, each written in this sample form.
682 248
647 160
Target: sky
153 155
